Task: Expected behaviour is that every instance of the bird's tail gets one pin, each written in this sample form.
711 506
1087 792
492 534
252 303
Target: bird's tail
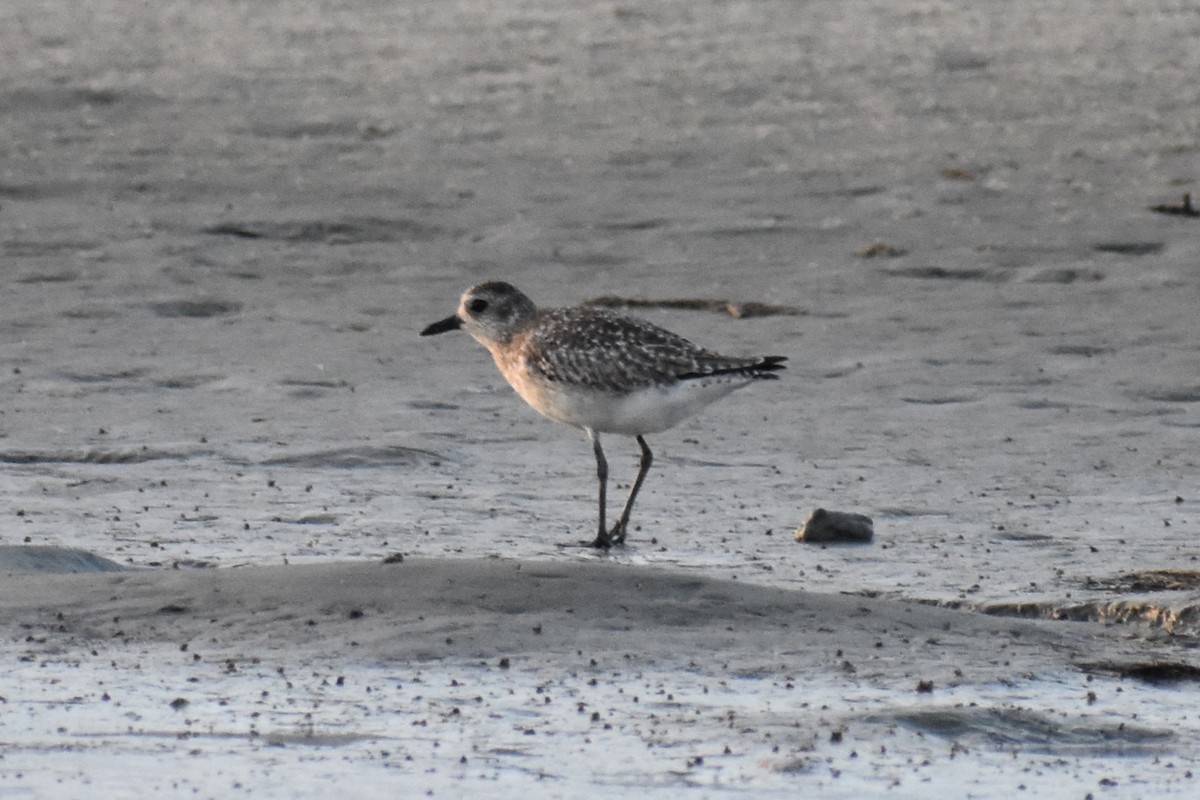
761 368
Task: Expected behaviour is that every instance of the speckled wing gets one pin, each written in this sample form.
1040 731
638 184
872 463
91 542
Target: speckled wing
602 350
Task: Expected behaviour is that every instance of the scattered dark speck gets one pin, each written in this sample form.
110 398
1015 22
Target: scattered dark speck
1129 248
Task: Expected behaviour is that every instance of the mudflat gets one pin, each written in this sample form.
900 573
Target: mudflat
222 228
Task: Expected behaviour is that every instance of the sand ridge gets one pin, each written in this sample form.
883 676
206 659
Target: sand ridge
491 609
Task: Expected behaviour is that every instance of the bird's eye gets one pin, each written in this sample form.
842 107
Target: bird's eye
477 306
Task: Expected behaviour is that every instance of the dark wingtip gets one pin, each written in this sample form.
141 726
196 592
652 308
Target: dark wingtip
770 364
441 326
763 369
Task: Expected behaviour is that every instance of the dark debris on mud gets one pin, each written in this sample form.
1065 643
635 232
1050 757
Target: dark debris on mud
732 308
1156 672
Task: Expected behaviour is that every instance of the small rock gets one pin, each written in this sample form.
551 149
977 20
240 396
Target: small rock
878 250
836 526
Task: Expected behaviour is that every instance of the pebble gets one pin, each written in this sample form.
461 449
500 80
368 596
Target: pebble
836 526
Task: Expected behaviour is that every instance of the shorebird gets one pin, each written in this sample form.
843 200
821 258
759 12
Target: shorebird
600 371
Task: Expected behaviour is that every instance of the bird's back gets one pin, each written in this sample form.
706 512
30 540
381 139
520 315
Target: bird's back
611 373
604 351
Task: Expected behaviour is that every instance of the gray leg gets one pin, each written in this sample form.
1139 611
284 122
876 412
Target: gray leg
617 535
603 540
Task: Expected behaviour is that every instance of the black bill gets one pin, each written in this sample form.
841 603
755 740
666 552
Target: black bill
447 324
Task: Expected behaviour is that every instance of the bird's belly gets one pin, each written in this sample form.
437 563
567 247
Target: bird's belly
646 410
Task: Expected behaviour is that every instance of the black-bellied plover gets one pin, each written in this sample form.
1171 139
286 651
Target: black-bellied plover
600 371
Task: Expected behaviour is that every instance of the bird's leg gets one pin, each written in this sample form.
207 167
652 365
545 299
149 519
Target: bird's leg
617 534
603 540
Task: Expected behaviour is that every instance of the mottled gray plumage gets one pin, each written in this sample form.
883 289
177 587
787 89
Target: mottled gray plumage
599 349
600 371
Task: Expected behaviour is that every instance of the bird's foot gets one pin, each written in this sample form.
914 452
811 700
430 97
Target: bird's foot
603 541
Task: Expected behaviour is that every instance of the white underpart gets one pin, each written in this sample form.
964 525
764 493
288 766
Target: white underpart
647 410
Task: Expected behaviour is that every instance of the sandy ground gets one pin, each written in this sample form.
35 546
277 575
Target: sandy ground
461 676
222 227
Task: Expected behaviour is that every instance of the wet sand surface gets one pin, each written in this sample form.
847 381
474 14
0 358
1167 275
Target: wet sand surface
222 228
